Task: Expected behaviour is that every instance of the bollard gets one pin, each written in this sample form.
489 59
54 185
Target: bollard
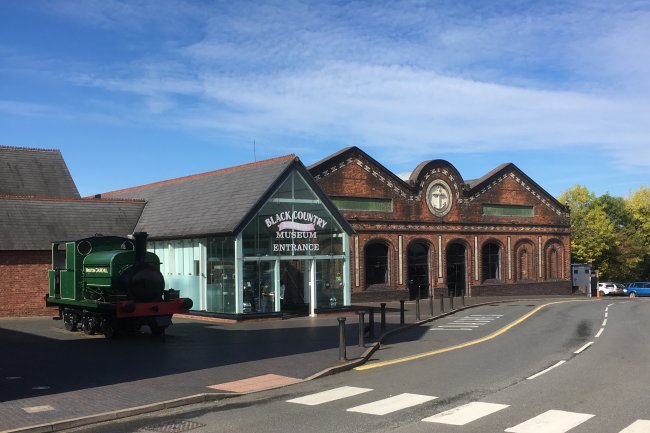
451 300
401 312
417 309
342 344
362 328
462 299
371 322
431 304
383 316
442 303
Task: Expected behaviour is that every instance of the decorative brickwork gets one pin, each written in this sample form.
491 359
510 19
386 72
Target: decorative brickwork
530 254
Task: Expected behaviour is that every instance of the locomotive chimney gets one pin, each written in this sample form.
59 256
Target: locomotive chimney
140 239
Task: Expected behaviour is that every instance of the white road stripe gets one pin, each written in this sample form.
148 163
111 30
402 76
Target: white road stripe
486 315
611 304
583 348
459 325
465 414
38 409
638 426
604 322
546 371
553 421
600 332
392 404
606 314
331 395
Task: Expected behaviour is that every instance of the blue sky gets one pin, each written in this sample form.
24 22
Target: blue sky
138 91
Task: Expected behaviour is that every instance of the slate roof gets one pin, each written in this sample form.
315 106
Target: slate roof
35 172
205 204
33 223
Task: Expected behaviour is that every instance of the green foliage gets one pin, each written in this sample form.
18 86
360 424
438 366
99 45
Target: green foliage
611 233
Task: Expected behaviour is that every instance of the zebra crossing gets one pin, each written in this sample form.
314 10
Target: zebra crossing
551 421
467 323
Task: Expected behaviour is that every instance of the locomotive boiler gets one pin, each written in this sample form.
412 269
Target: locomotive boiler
108 284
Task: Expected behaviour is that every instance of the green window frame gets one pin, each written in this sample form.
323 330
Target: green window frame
508 210
367 204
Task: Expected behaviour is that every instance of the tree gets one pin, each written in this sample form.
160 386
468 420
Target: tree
592 232
611 233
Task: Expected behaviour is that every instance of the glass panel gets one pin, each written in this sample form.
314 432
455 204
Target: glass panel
329 283
507 210
221 287
364 204
295 224
259 293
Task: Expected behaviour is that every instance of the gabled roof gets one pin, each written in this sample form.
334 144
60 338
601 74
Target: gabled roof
35 173
33 223
209 203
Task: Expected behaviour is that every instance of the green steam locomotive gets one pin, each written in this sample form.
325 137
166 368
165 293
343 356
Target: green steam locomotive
108 284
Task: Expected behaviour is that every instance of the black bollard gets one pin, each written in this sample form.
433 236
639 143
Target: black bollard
362 328
442 303
462 299
383 316
451 300
401 312
417 309
431 304
371 322
342 344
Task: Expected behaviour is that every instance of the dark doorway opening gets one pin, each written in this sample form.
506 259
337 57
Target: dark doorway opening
292 286
376 260
418 270
456 269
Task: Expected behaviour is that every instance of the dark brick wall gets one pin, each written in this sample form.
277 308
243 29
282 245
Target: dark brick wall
23 283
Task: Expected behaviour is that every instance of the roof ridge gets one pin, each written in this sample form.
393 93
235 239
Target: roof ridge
70 199
29 149
291 156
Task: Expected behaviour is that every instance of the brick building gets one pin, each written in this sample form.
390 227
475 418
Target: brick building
40 203
501 234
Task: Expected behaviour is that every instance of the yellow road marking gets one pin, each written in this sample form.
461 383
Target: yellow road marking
462 345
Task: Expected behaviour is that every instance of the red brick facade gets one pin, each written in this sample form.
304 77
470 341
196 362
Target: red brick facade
493 255
24 284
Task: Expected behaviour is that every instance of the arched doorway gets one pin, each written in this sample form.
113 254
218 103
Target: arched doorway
418 269
456 254
376 260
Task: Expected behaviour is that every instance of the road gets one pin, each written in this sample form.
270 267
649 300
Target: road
523 367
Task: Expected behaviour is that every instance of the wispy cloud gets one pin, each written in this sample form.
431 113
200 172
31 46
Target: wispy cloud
415 76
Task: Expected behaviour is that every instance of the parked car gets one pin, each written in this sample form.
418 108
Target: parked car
638 289
612 289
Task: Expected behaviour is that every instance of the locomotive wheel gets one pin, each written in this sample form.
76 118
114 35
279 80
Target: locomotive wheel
69 322
88 326
69 325
108 329
157 330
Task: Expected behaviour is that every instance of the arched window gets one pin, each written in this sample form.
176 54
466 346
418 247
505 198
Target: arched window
491 261
456 259
554 256
418 269
553 264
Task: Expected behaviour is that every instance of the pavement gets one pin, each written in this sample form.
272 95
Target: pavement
53 380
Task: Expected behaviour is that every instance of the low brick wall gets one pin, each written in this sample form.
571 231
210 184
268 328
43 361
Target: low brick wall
525 289
23 283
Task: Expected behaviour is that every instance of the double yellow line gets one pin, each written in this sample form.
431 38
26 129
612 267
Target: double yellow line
462 345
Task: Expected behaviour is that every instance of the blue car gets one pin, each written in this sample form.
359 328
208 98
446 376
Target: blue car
638 289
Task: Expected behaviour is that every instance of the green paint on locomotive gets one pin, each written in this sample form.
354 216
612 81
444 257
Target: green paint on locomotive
86 272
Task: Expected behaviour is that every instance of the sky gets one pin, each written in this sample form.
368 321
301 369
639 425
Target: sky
134 92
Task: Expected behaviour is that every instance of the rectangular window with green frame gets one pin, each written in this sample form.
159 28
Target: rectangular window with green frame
363 204
508 210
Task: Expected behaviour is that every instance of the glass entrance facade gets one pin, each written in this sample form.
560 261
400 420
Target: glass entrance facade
292 255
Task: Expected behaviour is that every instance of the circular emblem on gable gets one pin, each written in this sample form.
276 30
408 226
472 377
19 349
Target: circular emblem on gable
439 197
